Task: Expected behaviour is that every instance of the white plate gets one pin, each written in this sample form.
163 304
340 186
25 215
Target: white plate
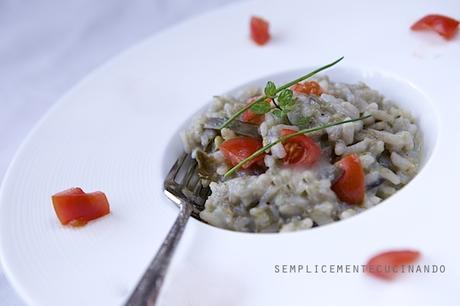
112 131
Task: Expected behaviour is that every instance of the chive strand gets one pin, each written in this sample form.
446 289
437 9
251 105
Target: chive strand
287 137
287 85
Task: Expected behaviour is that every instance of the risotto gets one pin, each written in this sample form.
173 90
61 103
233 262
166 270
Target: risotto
354 149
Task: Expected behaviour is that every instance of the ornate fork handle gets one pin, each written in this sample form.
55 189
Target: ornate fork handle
148 288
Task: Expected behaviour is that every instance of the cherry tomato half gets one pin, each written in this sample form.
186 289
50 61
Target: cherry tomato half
308 88
237 149
301 150
350 186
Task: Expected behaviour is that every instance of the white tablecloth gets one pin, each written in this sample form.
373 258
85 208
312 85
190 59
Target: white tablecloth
47 46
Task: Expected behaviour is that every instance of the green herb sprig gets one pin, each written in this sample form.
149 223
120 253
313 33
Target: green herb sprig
283 94
283 100
284 138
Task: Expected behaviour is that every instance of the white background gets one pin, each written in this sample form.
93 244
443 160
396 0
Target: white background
47 46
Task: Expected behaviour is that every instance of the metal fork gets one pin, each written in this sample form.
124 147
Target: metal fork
183 186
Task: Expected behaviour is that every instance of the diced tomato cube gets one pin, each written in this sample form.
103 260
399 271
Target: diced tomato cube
75 207
445 26
259 30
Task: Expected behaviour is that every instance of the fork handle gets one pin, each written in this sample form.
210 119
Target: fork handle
148 288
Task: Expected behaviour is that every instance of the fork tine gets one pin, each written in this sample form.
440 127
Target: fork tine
197 188
189 174
184 183
176 167
204 192
191 182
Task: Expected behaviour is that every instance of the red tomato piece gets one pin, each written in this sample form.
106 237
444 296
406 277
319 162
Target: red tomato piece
237 149
259 30
386 265
308 88
350 186
250 117
301 150
70 191
445 26
75 207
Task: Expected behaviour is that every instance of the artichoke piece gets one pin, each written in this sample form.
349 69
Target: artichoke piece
207 166
240 128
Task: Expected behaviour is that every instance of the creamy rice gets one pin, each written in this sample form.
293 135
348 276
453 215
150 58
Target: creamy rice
287 199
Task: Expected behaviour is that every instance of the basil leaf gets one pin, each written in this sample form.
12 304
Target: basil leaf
261 107
278 113
285 98
270 89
